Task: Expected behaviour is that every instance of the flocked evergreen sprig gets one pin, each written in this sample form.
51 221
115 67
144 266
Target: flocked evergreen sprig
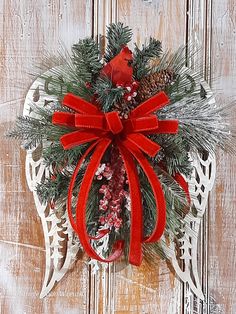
202 127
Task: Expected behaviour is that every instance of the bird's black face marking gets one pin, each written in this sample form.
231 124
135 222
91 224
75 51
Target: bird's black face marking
129 62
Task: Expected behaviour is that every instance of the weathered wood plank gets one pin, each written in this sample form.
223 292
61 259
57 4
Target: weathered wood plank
29 29
222 214
165 20
199 38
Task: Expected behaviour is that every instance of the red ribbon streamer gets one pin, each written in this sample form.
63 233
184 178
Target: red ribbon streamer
89 124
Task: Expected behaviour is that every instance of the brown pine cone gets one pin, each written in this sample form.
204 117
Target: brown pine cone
123 108
154 83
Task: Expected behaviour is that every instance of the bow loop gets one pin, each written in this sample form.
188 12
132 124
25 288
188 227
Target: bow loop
79 104
148 123
151 105
143 143
90 121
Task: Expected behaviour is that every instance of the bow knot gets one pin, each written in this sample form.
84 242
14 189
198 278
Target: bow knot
114 122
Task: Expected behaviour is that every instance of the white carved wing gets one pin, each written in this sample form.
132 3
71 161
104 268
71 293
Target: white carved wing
185 261
184 251
61 244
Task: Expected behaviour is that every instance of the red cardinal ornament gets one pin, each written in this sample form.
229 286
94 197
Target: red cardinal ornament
119 69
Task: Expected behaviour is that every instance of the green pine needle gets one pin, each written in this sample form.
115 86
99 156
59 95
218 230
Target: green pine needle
174 153
143 56
86 58
54 189
55 155
33 131
175 198
118 36
108 95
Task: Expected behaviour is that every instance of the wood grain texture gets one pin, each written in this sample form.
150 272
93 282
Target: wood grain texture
28 30
199 35
222 213
165 20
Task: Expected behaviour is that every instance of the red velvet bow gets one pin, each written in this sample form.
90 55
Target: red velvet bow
130 136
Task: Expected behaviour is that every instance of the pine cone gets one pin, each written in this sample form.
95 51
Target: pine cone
123 108
154 83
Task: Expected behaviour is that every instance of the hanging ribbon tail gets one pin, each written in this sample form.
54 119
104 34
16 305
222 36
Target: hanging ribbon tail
136 224
81 227
157 191
101 233
72 184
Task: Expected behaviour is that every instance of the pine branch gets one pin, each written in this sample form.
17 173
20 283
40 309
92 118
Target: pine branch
54 189
46 111
62 77
55 155
33 131
175 205
174 193
59 85
86 60
175 200
117 36
92 209
174 153
143 56
108 95
186 80
179 163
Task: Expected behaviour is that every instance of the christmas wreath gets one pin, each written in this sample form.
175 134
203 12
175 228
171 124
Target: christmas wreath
118 138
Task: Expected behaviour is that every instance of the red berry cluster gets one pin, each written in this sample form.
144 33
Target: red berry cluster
131 90
114 193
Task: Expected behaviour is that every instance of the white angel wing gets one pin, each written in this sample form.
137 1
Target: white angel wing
184 252
185 261
60 242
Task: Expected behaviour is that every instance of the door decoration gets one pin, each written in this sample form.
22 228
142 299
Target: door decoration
120 155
